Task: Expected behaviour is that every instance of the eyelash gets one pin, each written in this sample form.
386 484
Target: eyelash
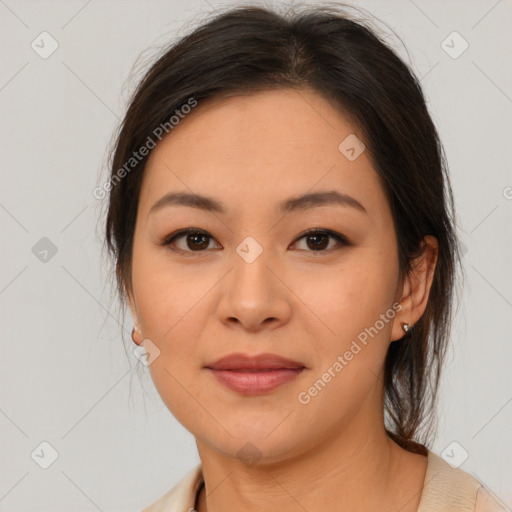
341 239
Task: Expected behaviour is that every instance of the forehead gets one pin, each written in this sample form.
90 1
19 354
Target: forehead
260 148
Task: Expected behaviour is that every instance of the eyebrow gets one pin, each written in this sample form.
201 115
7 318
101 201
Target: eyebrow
300 203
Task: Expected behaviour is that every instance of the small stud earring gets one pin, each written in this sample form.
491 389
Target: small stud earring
405 326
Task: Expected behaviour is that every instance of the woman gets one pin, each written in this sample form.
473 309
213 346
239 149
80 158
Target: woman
282 225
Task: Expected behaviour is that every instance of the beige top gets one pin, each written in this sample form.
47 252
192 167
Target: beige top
445 489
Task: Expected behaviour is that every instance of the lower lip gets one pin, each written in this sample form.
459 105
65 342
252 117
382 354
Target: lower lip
254 383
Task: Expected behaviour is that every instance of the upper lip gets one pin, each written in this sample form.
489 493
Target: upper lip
241 361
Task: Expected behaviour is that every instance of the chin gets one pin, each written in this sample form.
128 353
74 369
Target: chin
253 447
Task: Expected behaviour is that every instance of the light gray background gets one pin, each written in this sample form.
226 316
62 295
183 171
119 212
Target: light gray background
65 376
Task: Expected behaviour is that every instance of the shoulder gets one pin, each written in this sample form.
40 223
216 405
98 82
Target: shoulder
450 489
182 496
486 502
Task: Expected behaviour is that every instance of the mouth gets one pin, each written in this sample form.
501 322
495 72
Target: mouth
254 375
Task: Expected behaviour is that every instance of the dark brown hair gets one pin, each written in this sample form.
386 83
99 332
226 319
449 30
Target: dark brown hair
322 48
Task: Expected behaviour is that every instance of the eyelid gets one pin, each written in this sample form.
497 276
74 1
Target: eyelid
168 240
339 237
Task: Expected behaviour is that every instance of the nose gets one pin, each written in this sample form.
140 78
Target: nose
254 297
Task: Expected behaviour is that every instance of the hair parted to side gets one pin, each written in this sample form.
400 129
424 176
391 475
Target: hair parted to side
322 48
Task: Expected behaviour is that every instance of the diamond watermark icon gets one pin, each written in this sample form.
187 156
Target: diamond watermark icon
44 455
44 45
351 147
249 454
454 45
44 250
249 249
146 352
454 454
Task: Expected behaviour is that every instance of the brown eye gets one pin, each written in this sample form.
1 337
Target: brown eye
193 241
197 241
318 240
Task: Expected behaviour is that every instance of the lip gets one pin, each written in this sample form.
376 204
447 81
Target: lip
240 361
252 375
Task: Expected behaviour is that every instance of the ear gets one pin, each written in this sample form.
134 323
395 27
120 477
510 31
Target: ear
137 333
416 287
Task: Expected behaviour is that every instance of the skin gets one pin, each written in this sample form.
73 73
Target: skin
251 152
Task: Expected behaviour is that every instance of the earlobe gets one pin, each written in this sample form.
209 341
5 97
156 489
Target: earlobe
136 331
416 288
137 334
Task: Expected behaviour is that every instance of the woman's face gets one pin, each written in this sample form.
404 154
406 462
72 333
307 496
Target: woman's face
250 282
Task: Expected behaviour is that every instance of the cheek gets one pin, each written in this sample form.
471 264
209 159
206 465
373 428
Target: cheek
350 355
166 294
353 297
355 303
174 317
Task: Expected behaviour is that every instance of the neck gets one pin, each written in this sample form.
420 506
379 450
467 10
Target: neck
354 470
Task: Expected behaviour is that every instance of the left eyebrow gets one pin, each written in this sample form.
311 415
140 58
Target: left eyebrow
321 199
300 203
